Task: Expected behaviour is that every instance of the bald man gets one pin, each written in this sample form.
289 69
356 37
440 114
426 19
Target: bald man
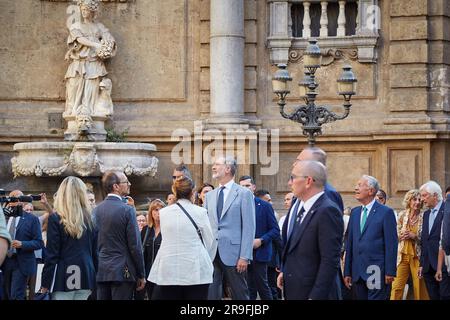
312 233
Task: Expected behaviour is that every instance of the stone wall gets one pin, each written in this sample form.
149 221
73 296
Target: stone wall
398 128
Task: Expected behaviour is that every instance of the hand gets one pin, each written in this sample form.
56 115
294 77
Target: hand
280 282
388 279
16 244
43 290
242 265
419 273
348 282
438 275
140 284
43 200
130 201
257 243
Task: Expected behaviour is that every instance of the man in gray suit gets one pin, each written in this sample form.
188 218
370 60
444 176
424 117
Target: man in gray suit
120 258
231 211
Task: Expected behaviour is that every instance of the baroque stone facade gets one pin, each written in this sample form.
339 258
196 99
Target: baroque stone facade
187 60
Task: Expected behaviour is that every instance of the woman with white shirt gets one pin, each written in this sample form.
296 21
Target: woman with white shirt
183 268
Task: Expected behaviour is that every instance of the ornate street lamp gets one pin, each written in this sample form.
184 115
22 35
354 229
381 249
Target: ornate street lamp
309 115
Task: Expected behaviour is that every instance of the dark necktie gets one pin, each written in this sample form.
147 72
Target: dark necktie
292 221
220 203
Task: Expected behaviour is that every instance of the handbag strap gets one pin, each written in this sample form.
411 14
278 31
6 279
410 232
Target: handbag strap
193 222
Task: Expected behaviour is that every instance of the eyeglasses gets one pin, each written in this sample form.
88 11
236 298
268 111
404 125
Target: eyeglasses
293 176
127 182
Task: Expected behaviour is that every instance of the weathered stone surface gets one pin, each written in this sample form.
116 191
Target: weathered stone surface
409 29
408 99
404 76
409 8
408 52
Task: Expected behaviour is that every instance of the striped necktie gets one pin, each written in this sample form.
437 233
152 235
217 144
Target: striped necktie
364 218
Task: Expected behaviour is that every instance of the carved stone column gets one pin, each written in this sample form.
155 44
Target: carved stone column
227 42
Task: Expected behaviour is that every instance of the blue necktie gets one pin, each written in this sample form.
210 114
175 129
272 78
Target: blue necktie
432 218
292 217
220 203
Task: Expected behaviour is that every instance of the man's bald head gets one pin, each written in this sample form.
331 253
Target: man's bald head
313 153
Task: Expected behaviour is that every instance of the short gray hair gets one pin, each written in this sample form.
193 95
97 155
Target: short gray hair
318 154
432 187
372 182
230 162
316 170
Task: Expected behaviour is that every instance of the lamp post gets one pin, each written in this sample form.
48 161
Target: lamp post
309 115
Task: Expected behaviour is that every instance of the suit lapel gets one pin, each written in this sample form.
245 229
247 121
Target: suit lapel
370 217
231 196
21 222
426 223
298 232
437 219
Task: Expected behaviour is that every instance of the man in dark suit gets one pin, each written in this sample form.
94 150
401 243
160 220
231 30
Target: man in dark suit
312 232
120 258
317 154
25 231
371 248
431 195
266 230
446 224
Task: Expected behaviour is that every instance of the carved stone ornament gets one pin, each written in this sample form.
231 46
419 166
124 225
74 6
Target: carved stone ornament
328 55
83 159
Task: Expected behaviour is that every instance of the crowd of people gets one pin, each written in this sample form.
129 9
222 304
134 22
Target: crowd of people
228 242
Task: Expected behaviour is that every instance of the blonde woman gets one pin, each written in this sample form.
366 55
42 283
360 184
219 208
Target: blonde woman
71 256
409 229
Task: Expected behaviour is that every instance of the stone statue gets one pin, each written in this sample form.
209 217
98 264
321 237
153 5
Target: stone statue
90 43
84 124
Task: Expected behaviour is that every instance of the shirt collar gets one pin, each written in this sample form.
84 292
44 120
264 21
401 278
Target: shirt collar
369 206
310 202
228 185
438 206
114 195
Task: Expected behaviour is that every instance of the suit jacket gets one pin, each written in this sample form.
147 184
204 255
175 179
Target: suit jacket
446 227
334 196
183 259
150 247
376 245
266 229
311 255
28 231
429 242
233 235
119 242
63 253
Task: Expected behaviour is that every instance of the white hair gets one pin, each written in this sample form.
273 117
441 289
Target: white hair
432 187
372 182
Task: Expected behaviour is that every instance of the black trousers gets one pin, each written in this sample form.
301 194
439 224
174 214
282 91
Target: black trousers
437 290
115 290
257 281
194 292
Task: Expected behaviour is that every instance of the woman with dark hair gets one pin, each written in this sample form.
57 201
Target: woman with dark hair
201 193
151 241
183 268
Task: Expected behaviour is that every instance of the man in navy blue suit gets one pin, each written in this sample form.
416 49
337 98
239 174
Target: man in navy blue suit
25 231
266 230
371 249
431 195
446 224
312 233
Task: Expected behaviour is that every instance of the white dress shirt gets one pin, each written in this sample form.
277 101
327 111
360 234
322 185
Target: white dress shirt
226 190
369 207
307 205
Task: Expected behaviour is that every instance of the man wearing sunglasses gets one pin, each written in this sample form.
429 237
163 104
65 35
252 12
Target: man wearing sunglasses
312 233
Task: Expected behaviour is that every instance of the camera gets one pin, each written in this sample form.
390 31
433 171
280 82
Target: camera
17 210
